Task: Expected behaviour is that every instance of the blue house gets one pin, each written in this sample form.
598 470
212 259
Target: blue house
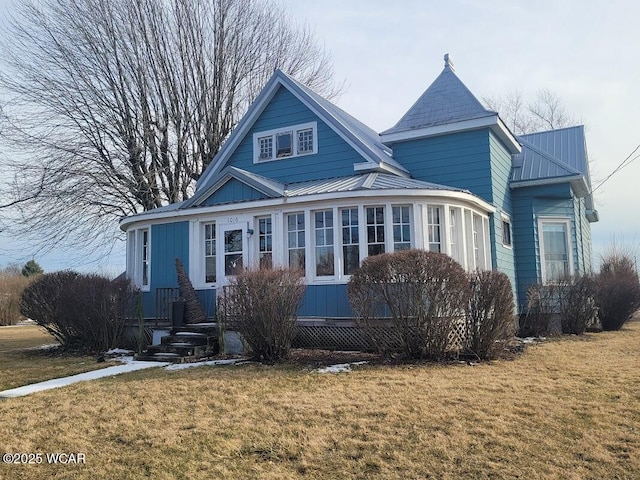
302 183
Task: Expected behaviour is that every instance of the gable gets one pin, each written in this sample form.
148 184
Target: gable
232 191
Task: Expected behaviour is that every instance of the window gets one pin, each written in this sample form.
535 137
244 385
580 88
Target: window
401 228
305 141
350 240
139 257
506 232
284 147
324 243
433 227
232 252
479 232
455 231
375 230
265 243
554 249
210 252
295 240
265 145
286 142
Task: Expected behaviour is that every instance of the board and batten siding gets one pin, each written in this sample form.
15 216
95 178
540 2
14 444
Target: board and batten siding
326 301
530 204
233 191
335 157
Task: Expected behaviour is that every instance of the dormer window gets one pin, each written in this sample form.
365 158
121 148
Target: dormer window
286 142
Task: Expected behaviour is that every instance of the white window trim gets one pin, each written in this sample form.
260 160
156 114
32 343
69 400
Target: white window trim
294 147
504 218
567 222
135 257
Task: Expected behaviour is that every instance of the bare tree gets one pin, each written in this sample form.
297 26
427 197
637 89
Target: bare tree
546 112
117 107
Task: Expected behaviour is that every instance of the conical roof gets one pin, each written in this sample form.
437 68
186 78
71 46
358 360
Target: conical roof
447 100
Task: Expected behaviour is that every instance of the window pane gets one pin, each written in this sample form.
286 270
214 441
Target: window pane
283 145
375 230
556 256
433 228
324 243
305 141
295 228
350 247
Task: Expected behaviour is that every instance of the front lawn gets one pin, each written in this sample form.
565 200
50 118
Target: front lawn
566 409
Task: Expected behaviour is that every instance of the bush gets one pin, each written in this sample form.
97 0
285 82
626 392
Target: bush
617 291
11 286
490 315
542 310
576 304
83 312
421 295
262 306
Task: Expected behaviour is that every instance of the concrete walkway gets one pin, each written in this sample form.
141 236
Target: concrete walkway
81 377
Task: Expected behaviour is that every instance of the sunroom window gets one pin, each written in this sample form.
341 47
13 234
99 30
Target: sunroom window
210 252
139 257
375 230
265 242
324 243
292 141
295 240
350 240
433 227
401 228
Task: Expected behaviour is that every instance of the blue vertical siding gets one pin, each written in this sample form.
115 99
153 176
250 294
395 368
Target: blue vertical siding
326 301
335 158
234 191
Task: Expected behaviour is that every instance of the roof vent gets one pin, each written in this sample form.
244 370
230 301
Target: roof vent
448 63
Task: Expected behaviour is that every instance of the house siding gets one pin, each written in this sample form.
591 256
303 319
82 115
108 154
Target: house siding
334 158
326 301
530 204
233 191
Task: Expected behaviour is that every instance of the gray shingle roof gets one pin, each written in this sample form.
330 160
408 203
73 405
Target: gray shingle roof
447 100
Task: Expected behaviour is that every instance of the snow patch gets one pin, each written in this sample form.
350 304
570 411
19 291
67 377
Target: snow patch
118 351
338 368
529 340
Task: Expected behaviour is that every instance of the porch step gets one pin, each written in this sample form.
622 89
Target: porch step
185 344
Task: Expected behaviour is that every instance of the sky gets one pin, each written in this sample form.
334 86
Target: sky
388 53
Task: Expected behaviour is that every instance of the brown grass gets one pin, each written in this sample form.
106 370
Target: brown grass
566 409
21 363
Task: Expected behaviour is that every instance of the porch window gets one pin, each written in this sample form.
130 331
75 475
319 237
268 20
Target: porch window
145 257
139 257
295 240
455 230
554 250
210 252
375 230
350 240
433 227
265 242
324 243
401 228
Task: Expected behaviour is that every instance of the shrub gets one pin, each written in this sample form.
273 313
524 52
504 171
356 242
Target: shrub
262 305
541 311
83 312
422 295
576 303
490 314
617 291
11 286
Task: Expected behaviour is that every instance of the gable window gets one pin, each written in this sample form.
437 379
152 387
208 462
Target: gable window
265 243
433 227
324 243
295 240
506 232
350 240
292 141
375 230
401 228
284 147
139 257
554 249
210 253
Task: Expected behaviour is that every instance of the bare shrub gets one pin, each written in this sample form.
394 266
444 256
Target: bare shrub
617 290
83 312
262 305
421 295
490 314
11 286
542 309
576 303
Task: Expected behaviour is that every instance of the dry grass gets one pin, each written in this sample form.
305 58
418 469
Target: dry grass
21 363
567 409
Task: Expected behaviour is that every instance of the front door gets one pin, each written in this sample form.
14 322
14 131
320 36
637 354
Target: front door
234 238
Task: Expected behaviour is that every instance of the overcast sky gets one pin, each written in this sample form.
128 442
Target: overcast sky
389 52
